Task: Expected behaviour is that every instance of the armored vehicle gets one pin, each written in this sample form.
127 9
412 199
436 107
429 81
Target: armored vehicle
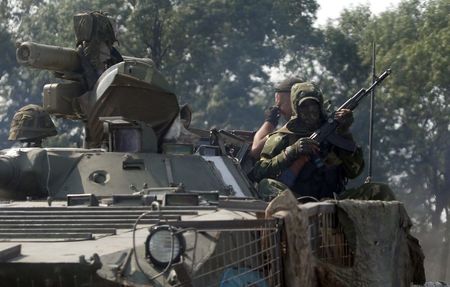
150 201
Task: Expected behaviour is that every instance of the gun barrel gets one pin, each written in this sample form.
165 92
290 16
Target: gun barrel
379 80
48 57
323 132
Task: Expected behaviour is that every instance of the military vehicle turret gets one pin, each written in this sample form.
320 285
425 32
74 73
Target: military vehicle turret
150 201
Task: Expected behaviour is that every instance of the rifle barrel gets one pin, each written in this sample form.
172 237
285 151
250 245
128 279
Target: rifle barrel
327 128
353 102
379 79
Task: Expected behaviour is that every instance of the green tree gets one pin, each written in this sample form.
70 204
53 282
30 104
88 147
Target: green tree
415 42
214 52
8 67
48 22
412 111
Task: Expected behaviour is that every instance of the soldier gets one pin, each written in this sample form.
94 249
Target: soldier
272 115
30 125
95 37
289 160
290 157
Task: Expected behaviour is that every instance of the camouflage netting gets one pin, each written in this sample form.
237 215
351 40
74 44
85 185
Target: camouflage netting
376 231
298 258
26 173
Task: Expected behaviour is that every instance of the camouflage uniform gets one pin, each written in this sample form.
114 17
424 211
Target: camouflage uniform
311 181
323 182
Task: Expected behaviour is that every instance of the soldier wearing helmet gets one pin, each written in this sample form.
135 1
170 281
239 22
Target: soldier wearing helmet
95 35
288 154
30 125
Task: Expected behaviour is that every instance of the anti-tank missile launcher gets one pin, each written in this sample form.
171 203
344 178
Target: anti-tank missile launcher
115 93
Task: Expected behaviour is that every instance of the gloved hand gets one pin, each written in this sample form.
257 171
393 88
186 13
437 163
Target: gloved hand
272 115
345 119
302 147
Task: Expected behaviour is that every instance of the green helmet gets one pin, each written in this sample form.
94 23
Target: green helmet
30 123
301 92
94 26
304 91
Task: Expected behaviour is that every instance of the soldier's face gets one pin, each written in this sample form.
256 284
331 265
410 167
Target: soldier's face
283 101
309 114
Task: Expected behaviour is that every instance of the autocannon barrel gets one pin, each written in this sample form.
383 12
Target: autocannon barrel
54 58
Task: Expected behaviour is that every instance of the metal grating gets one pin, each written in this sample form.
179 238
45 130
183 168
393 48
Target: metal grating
327 239
74 223
243 256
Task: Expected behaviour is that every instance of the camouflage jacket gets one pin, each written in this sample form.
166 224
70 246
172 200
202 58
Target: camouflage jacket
311 181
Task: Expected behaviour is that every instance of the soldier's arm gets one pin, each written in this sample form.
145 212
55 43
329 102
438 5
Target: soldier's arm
276 164
273 160
282 161
271 117
260 139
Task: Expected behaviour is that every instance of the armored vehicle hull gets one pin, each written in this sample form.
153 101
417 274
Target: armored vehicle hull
233 243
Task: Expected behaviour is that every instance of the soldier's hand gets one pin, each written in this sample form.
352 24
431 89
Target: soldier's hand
302 147
345 119
272 115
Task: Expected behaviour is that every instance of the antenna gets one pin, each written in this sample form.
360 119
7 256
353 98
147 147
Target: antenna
372 106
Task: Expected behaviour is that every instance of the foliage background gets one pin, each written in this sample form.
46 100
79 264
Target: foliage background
221 58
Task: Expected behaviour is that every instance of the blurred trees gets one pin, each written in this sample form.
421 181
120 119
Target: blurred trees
48 22
7 68
414 42
416 111
412 111
214 52
218 56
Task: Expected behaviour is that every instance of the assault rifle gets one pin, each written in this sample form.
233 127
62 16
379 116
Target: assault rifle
326 131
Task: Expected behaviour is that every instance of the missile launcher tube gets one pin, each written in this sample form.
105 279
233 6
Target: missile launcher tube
47 57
